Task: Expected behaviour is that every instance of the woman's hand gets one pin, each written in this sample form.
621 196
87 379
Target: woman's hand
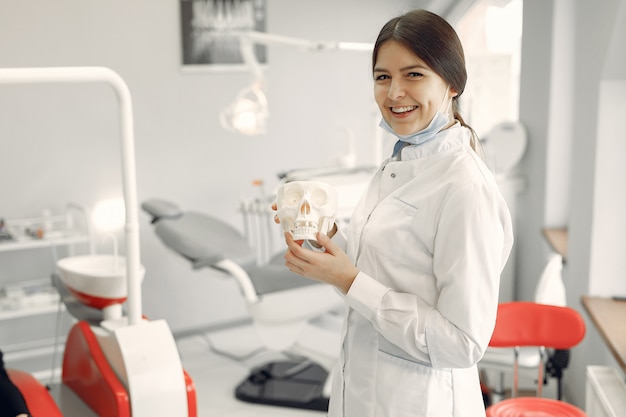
331 266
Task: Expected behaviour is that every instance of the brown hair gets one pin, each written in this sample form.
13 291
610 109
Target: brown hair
434 41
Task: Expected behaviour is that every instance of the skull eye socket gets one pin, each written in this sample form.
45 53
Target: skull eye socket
292 198
319 197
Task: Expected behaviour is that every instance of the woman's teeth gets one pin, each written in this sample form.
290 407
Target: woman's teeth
403 109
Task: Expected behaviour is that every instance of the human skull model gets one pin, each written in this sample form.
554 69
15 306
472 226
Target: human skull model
306 207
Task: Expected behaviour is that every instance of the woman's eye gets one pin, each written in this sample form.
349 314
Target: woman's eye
415 74
381 77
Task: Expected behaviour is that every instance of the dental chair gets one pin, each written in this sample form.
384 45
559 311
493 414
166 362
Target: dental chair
281 303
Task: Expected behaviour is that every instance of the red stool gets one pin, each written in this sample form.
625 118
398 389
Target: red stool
520 324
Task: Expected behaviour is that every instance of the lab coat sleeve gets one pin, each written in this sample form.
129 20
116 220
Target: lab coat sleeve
472 243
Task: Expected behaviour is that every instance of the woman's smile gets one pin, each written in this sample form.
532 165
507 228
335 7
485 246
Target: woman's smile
404 110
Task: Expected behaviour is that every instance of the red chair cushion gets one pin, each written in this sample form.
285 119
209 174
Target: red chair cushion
523 323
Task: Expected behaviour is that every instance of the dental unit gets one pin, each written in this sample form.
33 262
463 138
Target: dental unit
118 365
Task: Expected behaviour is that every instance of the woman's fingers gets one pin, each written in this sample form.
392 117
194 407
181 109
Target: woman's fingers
332 265
294 257
325 241
275 208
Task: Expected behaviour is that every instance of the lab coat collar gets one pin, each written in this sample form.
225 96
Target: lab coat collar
454 137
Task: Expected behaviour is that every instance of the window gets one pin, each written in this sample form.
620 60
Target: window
491 35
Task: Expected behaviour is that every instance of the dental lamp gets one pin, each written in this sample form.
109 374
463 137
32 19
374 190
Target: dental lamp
248 113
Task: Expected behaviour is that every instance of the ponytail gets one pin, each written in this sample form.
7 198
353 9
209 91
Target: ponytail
474 139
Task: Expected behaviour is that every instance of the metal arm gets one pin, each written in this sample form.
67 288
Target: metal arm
268 39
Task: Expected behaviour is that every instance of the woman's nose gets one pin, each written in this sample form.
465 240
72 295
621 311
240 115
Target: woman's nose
396 90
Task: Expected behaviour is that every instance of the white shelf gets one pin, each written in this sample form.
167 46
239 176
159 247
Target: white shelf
47 231
29 311
23 298
32 243
28 298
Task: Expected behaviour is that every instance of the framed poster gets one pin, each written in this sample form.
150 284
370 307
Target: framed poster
209 31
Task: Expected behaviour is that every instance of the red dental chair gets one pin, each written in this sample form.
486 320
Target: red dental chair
520 324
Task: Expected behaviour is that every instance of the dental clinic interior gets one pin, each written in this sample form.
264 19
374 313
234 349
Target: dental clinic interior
143 144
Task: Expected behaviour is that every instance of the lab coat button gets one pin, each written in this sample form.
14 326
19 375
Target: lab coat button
393 175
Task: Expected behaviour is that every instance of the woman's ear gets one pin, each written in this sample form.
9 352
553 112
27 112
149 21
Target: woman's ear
453 92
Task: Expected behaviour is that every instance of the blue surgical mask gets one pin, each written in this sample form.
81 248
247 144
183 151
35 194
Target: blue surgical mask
438 122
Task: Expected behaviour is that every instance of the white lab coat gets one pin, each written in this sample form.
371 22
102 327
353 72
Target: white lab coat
430 237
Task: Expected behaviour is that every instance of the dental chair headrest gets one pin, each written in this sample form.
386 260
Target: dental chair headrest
159 209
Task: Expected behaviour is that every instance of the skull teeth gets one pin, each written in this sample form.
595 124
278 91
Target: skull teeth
305 225
305 228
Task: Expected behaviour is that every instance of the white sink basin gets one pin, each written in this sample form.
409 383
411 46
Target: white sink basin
96 280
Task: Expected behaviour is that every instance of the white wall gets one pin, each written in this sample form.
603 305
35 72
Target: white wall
586 107
559 146
596 220
60 143
608 263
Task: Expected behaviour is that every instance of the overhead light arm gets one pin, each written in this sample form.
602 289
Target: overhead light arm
269 38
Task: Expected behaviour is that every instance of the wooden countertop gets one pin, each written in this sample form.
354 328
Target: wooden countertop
609 317
557 238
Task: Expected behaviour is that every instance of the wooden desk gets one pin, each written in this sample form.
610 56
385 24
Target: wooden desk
609 317
557 238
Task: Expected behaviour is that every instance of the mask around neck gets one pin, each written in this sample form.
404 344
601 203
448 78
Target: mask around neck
438 122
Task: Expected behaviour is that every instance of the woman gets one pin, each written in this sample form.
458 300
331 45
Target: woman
425 245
